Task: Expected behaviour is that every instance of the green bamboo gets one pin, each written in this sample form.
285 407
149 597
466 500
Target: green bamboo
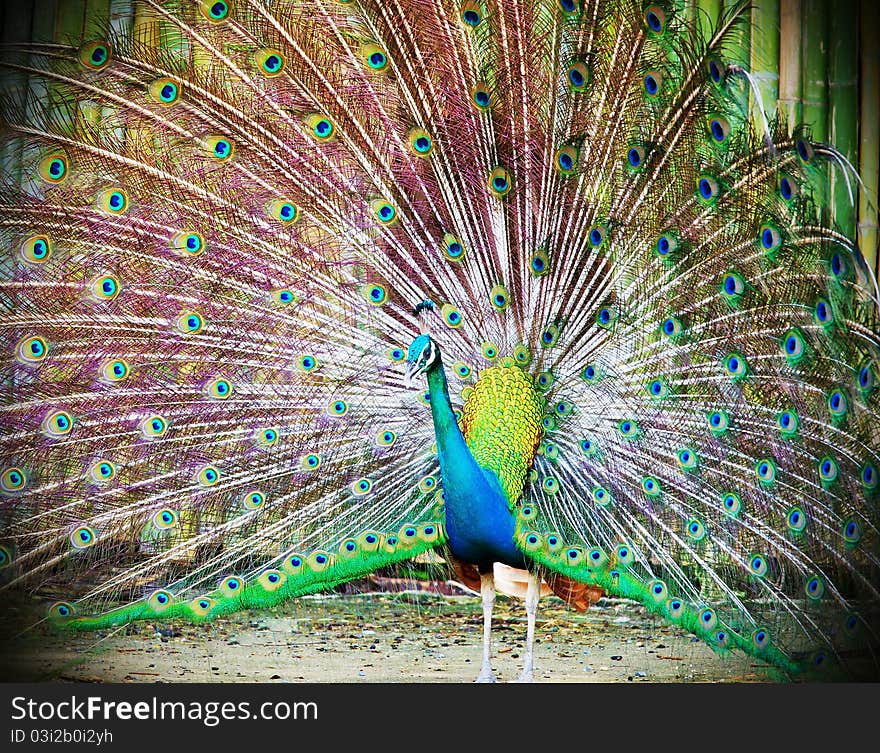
121 15
70 21
739 46
790 103
869 136
843 107
764 63
16 27
708 13
97 19
43 26
814 67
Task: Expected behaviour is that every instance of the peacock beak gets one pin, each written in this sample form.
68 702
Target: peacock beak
413 369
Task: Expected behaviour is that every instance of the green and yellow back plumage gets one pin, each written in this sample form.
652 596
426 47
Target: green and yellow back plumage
501 423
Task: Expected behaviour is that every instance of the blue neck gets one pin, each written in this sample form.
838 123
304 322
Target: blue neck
478 519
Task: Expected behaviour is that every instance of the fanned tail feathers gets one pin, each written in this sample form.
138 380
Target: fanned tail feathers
217 244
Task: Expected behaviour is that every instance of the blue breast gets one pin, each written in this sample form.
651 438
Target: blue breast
479 523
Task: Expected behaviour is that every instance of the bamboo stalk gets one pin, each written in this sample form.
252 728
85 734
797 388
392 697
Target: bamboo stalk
764 62
121 15
843 108
16 27
738 48
97 19
146 25
69 21
790 61
869 136
814 67
708 13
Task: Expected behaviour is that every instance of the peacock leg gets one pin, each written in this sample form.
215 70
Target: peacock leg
487 591
533 592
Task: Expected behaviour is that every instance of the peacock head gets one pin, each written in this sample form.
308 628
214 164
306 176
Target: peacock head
423 356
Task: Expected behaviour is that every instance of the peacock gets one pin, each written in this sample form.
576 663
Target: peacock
311 288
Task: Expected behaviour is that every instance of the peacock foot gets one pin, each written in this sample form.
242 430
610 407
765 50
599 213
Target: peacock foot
486 675
526 676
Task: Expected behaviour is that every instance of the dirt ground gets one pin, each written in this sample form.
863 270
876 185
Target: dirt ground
402 637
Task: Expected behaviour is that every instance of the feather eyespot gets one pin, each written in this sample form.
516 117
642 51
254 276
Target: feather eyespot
451 316
95 55
481 96
270 62
374 57
578 76
361 486
154 427
219 389
522 356
635 157
165 519
253 500
376 295
57 424
869 476
214 11
651 486
113 201
658 591
736 366
453 250
31 349
499 298
796 520
207 476
655 20
653 82
731 503
164 92
828 469
500 182
719 422
104 288
102 472
384 211
337 408
282 211
36 249
788 423
539 264
13 480
719 129
83 537
420 142
218 148
837 403
814 588
471 13
160 600
321 128
708 189
566 160
54 168
602 496
765 471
